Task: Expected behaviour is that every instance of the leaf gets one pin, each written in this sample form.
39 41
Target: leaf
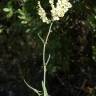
6 9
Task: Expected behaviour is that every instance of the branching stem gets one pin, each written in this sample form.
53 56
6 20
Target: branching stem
44 58
45 62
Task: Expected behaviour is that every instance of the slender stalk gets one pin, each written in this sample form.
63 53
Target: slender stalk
45 62
44 59
32 88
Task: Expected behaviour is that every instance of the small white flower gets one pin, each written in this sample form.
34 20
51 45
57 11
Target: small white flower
42 13
61 8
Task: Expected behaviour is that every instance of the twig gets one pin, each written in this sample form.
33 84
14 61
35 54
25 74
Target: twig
40 38
45 62
35 90
48 59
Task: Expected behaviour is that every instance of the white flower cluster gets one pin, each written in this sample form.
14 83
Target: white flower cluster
61 8
42 13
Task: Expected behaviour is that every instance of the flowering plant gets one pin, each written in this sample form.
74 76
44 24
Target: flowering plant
57 11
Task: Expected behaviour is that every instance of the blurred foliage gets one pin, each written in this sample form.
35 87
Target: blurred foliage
72 45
